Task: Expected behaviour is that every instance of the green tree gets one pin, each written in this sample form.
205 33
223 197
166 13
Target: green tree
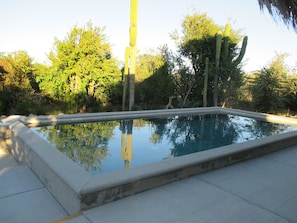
17 70
198 40
287 80
266 91
291 95
184 80
17 80
81 68
274 87
153 79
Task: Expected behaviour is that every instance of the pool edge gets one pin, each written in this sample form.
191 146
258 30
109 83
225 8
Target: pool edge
91 191
149 176
63 178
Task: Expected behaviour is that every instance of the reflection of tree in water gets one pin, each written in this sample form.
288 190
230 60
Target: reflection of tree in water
189 134
85 144
261 128
198 133
158 127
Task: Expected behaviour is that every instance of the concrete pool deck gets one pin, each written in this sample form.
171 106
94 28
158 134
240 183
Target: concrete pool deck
263 189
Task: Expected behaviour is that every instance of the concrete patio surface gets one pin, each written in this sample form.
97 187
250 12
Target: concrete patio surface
259 190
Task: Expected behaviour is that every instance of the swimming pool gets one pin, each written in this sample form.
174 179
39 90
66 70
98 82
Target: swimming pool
76 189
106 146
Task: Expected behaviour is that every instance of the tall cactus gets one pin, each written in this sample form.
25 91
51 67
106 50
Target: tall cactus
205 82
133 36
130 57
217 66
133 22
224 48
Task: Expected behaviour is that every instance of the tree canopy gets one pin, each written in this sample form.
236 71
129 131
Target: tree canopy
201 38
81 67
16 70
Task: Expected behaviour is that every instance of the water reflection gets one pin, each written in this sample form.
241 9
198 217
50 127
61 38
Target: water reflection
126 142
86 144
189 135
107 146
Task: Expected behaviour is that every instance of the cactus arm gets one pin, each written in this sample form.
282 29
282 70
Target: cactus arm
242 51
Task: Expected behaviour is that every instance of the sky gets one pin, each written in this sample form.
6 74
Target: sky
33 25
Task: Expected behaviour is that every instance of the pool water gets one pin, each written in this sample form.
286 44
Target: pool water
107 146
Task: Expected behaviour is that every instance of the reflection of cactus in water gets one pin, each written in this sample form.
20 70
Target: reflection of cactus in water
126 142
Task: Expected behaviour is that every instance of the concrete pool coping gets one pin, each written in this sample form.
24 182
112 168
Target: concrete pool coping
77 190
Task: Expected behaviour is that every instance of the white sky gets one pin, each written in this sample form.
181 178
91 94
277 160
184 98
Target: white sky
32 25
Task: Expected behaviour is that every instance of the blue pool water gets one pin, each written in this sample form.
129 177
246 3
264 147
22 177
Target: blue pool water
108 146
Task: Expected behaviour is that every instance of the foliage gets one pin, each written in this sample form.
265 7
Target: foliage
198 41
154 81
266 91
81 68
274 87
291 93
17 80
184 80
17 70
269 87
